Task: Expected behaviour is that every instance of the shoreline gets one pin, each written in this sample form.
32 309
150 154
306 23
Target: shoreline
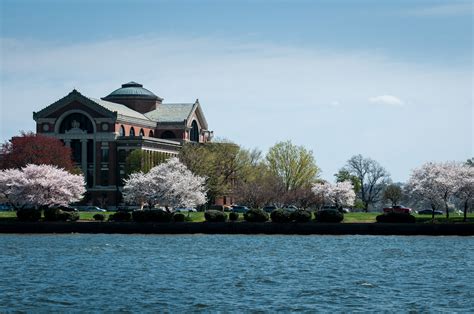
238 228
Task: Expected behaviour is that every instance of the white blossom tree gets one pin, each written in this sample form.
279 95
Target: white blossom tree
435 182
465 186
41 185
137 189
339 194
169 184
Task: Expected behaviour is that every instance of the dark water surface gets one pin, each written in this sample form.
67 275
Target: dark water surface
146 273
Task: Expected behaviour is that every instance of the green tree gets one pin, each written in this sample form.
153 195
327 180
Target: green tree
345 175
221 163
142 160
293 164
470 162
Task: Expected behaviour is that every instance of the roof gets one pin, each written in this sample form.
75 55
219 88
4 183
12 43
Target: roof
132 89
119 108
171 112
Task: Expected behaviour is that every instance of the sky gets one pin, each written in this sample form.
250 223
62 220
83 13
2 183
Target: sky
391 80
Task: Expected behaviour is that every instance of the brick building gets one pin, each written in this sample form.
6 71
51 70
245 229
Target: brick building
102 132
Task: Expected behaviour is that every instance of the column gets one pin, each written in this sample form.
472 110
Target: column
67 142
84 157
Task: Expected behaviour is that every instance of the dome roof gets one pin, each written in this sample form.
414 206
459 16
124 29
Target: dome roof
132 89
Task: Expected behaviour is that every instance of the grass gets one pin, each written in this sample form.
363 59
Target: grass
348 218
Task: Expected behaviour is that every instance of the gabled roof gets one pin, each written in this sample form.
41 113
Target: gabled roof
106 108
73 96
170 112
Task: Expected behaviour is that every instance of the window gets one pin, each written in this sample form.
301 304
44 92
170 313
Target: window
194 132
122 155
105 155
76 121
104 177
122 131
132 131
142 133
150 134
168 134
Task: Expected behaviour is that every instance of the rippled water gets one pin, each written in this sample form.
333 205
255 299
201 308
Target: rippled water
145 273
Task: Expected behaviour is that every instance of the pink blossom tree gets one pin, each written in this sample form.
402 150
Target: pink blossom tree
435 182
37 186
339 194
169 184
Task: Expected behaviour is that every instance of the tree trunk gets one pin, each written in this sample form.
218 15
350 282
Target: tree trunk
366 207
447 209
465 211
432 212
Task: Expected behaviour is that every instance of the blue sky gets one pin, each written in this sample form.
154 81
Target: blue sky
391 80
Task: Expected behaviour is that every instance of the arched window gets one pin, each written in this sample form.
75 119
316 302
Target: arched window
142 133
132 131
194 132
122 131
150 134
168 135
76 121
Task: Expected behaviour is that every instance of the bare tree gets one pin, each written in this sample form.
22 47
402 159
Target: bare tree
392 193
372 176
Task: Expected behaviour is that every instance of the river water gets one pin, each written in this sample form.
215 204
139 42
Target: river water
235 273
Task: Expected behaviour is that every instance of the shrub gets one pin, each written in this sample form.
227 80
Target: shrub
280 215
99 217
28 214
56 214
152 215
233 216
215 216
52 214
300 215
329 215
68 216
179 217
120 216
256 215
396 218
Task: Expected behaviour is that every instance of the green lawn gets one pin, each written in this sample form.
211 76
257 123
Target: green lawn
348 218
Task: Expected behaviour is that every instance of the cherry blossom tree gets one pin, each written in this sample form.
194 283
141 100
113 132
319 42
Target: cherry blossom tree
339 194
37 186
435 182
465 186
169 184
137 189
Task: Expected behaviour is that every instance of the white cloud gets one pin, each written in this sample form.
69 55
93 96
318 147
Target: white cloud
386 100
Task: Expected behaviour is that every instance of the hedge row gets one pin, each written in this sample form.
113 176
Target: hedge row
148 215
50 214
277 216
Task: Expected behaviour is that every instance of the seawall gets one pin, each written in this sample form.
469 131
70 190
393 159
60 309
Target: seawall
238 228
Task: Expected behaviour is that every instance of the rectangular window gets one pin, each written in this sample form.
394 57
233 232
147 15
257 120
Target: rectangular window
122 155
105 155
104 177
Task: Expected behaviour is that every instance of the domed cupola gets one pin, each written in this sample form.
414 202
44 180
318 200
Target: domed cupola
134 96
